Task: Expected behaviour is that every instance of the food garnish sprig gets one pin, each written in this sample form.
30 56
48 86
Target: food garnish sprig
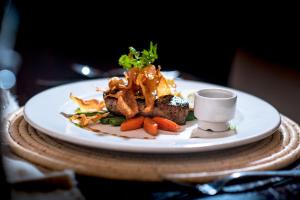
136 59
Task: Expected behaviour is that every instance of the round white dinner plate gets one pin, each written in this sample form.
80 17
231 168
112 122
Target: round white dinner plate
255 119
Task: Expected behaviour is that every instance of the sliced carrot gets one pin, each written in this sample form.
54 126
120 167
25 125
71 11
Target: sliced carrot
132 124
150 126
166 124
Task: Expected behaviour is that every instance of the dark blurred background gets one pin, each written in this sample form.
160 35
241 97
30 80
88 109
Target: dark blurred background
52 37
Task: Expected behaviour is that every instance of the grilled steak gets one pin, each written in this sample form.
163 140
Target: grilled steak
170 107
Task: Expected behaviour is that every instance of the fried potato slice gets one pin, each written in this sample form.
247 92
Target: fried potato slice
84 120
91 105
127 103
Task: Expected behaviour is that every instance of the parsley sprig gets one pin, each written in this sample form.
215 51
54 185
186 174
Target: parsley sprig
138 59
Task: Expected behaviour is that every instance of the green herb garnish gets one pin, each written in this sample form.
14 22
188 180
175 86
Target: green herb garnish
105 120
232 127
190 116
78 125
77 110
89 114
138 59
114 121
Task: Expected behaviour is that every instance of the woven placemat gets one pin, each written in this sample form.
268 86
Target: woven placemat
274 152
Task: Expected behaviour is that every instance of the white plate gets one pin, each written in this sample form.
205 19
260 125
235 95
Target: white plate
255 119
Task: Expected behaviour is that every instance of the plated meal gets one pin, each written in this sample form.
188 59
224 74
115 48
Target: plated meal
144 112
142 100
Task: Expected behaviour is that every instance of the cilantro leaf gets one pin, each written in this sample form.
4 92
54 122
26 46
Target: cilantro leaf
137 59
